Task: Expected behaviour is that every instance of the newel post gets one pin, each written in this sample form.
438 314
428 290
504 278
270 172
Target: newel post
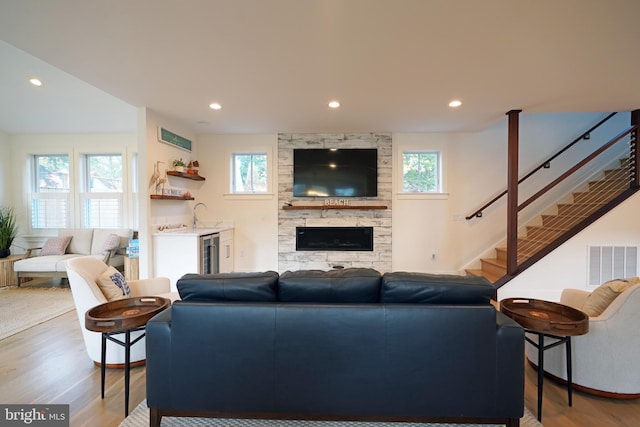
635 158
512 192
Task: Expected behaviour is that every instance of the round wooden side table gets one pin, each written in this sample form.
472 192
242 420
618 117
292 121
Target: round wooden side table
547 319
122 316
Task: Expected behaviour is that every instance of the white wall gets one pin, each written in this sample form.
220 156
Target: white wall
5 170
157 212
255 217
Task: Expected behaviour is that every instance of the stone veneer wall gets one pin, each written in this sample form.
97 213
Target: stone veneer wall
288 220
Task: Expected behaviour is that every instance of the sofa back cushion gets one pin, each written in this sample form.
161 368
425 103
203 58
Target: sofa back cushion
423 288
80 240
351 285
229 287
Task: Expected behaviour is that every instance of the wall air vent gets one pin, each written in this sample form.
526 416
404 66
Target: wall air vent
611 262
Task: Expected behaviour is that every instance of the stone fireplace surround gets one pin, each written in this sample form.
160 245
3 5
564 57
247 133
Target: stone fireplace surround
380 219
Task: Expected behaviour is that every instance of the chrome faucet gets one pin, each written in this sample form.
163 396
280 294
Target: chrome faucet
195 218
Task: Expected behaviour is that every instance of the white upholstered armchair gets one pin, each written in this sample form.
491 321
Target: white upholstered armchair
84 279
605 360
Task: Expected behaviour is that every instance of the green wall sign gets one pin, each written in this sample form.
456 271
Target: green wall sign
171 138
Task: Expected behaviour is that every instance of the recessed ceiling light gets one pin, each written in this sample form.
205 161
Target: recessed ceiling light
455 103
35 81
334 104
215 106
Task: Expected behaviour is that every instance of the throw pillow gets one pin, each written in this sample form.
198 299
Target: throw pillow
113 285
604 295
55 246
110 243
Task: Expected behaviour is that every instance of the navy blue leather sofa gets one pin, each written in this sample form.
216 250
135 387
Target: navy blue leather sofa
340 345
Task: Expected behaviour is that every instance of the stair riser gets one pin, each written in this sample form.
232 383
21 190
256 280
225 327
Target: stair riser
618 184
493 269
615 174
501 257
542 233
578 209
595 196
560 221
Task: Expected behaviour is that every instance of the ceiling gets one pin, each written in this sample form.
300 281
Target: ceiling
274 65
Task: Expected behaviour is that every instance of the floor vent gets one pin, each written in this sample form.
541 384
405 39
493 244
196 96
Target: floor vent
611 262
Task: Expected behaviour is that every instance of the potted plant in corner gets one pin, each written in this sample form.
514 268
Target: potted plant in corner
8 230
179 165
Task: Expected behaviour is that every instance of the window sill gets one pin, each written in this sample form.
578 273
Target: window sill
248 196
422 196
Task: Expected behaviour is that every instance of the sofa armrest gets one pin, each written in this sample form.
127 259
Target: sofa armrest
155 286
108 255
159 368
509 357
30 253
574 297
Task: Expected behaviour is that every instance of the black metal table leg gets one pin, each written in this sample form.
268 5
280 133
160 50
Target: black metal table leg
127 370
540 373
569 379
103 359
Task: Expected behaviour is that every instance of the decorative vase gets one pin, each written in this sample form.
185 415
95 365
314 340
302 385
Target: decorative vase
179 168
5 253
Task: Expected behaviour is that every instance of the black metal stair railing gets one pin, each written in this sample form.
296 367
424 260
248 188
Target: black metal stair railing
609 186
544 165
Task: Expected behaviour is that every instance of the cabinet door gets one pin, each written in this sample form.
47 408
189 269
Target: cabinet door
226 251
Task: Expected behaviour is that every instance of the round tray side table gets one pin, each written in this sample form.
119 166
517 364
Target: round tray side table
547 319
122 316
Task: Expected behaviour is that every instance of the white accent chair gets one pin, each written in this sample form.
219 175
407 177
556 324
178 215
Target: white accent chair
605 360
83 273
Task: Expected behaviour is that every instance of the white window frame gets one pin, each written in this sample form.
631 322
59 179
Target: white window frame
270 172
35 194
435 195
86 195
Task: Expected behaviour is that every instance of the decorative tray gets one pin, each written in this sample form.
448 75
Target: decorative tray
123 314
545 316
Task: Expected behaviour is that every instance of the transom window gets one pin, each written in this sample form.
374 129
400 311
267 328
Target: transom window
421 172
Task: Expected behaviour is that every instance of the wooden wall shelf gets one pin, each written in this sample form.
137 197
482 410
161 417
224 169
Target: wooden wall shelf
186 175
160 197
318 207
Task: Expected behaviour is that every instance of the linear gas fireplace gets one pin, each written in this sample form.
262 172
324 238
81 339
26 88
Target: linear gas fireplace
334 238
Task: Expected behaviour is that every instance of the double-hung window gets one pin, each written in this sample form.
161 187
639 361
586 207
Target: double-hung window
51 195
249 173
101 201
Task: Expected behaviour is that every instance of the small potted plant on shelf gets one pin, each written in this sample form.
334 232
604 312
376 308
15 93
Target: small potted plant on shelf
179 165
8 230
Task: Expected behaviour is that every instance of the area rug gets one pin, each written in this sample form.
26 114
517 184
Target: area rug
23 308
140 418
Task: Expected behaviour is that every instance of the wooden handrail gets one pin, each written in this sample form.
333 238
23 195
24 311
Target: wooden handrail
575 168
543 165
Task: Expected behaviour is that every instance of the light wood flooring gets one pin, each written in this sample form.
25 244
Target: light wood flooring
48 364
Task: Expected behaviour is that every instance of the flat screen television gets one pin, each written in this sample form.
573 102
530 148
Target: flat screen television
348 172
